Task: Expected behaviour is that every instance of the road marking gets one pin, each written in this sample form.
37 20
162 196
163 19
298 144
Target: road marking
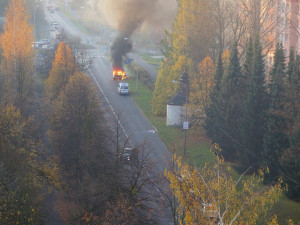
119 122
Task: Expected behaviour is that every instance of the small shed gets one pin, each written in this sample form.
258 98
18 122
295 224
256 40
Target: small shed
176 111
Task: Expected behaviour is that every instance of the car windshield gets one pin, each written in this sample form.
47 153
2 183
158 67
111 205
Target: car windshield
127 151
124 87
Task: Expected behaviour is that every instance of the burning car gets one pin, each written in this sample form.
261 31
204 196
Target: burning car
118 74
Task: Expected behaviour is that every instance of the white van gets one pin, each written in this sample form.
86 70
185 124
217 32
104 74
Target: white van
123 88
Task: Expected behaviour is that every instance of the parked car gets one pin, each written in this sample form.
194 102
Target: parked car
55 25
129 154
52 28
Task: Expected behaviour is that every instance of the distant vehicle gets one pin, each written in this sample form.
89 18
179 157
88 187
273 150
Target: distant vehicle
123 88
52 28
129 154
55 25
47 47
35 44
44 42
59 37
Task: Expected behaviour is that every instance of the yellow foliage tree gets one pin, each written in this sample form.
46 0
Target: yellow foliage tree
17 55
200 89
211 196
193 30
189 43
63 67
226 60
164 87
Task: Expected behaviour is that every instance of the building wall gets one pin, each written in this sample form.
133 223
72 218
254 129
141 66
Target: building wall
174 115
285 15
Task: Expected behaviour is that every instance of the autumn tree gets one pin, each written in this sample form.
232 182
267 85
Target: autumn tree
210 195
17 56
164 87
76 129
193 30
188 45
200 88
120 212
63 67
19 186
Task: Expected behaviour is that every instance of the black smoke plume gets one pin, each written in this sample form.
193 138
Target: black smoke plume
119 48
130 15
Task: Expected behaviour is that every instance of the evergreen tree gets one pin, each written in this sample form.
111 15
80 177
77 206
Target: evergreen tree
248 65
230 104
224 112
291 66
275 139
254 113
290 159
212 112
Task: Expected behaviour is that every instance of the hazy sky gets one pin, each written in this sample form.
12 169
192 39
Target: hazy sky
129 15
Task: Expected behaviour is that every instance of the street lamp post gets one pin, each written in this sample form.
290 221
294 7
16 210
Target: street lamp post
184 92
185 125
137 73
184 79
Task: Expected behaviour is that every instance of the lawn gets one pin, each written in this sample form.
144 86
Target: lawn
151 60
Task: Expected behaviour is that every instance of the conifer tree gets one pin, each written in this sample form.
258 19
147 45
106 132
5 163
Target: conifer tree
249 63
254 113
290 159
212 112
275 139
229 105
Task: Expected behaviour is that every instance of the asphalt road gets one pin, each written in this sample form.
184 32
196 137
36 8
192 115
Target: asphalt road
135 124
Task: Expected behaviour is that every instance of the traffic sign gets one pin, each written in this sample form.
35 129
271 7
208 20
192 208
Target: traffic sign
186 125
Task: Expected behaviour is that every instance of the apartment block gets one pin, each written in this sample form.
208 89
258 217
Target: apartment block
282 21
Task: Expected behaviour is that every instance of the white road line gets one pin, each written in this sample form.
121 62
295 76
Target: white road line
119 122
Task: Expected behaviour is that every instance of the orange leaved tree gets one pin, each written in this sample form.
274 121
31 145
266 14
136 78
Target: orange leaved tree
17 55
63 67
200 89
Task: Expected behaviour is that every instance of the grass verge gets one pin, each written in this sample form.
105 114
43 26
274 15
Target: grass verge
151 60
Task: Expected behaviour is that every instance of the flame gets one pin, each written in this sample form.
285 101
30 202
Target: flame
119 73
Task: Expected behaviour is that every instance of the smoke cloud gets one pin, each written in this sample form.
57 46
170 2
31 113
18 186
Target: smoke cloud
126 16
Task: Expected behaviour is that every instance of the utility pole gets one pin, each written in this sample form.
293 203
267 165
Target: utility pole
137 69
184 79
